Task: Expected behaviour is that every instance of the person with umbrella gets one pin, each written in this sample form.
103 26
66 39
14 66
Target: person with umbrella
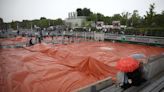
129 72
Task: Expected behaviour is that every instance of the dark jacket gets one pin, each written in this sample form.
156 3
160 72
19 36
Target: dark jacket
136 77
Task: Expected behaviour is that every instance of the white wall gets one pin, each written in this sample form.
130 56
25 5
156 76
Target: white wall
75 22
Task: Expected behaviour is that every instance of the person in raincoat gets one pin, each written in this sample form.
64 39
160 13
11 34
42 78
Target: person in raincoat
129 73
30 42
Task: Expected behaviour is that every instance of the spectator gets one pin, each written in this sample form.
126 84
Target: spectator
30 42
130 73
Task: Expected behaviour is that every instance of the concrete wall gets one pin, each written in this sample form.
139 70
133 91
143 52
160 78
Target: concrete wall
155 66
97 86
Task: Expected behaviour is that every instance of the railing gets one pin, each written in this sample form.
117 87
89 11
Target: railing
94 35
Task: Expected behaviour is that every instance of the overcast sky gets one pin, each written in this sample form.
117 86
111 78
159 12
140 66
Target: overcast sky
34 9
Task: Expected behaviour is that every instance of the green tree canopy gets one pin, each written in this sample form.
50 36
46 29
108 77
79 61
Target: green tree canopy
149 15
116 17
14 25
135 18
42 18
1 23
83 12
79 12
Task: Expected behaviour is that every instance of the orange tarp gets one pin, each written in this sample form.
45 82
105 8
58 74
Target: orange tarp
63 68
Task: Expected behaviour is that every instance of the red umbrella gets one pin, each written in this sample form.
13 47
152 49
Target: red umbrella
127 64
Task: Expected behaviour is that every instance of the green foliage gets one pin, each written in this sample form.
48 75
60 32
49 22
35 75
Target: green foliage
14 25
116 17
58 22
25 24
151 19
86 24
92 17
135 19
43 18
1 23
83 12
86 12
100 17
150 15
43 23
79 12
159 20
107 20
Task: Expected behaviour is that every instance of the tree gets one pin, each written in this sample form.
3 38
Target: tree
25 24
1 23
107 20
79 12
59 21
162 12
43 23
86 12
149 15
86 24
83 12
125 18
35 22
42 18
5 26
92 17
159 20
135 18
116 17
14 25
100 17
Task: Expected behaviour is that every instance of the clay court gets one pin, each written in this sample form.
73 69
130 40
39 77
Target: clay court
63 68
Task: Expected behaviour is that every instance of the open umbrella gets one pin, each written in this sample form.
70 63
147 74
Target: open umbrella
127 64
138 56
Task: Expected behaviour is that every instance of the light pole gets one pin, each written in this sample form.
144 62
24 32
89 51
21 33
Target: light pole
17 26
31 26
49 23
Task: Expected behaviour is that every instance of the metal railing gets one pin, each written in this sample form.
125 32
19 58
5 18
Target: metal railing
90 35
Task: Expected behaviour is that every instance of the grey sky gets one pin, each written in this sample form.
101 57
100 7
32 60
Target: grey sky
34 9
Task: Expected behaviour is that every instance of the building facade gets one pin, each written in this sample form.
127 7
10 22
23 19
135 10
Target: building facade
75 21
